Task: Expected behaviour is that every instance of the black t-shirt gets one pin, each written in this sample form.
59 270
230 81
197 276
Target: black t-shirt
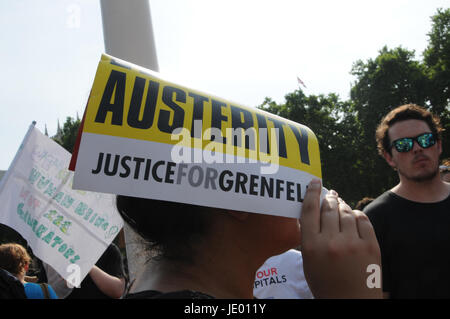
414 240
110 262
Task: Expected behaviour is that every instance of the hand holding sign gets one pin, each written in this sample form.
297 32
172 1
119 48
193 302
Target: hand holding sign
338 246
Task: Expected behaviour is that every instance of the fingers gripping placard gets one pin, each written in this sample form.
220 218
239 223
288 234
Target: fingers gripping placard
145 136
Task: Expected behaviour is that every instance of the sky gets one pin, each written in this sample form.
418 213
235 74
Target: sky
242 51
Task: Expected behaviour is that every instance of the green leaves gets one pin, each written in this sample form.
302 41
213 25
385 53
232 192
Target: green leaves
67 136
437 61
346 129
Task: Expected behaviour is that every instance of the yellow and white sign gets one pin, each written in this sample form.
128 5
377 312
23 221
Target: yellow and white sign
144 136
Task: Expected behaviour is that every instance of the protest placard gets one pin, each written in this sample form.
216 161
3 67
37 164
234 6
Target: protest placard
63 226
145 136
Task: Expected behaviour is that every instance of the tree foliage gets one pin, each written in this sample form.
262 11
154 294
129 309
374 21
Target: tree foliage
346 129
67 135
437 61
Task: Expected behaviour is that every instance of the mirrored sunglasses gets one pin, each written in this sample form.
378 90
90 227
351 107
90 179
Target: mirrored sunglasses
405 144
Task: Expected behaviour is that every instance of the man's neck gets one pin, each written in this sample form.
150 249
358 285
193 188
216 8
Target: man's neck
430 191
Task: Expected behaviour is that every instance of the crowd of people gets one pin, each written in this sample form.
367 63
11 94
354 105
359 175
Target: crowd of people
204 252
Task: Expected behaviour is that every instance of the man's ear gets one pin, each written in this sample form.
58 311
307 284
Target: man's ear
388 157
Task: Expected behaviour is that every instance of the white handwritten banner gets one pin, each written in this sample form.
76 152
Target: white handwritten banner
63 226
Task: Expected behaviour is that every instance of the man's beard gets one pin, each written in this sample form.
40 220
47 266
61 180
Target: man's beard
423 177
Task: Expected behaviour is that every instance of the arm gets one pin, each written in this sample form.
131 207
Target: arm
110 285
338 244
31 279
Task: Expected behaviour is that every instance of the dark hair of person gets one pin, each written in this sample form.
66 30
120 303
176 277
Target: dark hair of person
171 229
403 113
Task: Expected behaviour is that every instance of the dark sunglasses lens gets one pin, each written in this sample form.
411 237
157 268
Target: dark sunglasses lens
426 140
403 145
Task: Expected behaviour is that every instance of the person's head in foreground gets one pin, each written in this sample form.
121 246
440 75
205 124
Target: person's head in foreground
215 252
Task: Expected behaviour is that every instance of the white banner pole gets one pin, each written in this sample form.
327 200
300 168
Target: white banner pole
128 35
128 32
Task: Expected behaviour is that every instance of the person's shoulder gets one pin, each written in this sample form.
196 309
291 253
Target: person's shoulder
31 285
10 286
293 254
32 290
289 255
379 204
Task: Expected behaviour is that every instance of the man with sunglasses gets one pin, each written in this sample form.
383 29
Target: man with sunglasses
412 220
